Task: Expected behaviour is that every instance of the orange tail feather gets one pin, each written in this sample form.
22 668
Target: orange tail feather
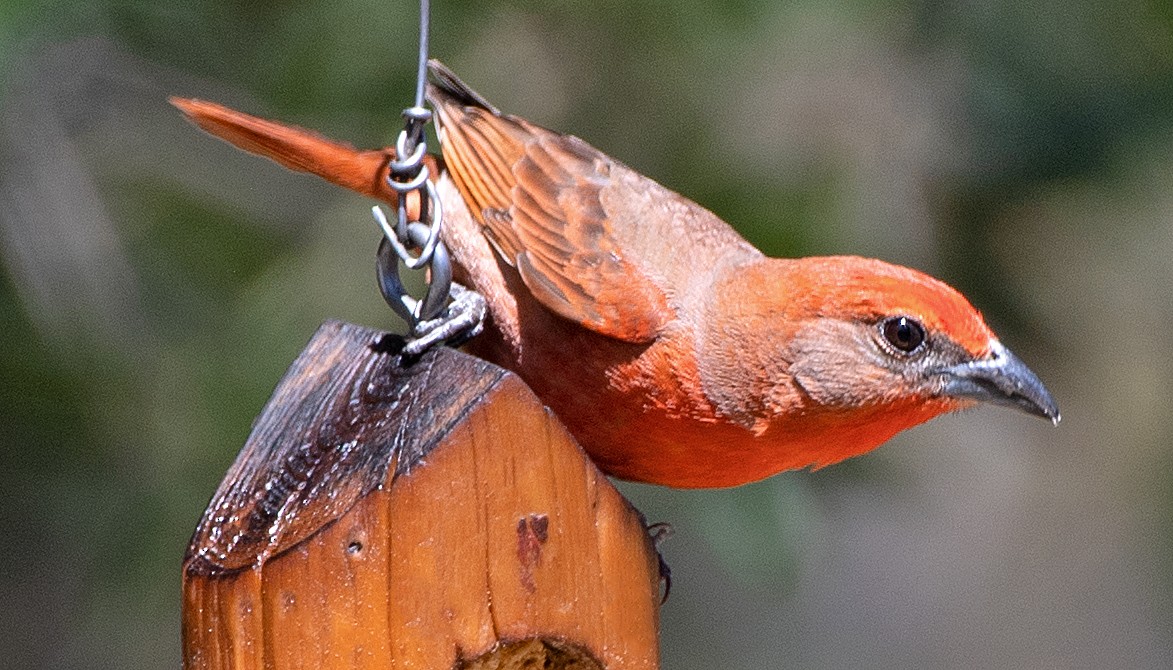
297 148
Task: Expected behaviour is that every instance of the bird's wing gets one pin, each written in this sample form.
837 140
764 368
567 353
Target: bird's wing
540 197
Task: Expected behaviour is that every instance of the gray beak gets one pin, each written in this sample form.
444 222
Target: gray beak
1001 379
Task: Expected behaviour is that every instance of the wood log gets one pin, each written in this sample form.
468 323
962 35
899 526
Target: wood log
423 515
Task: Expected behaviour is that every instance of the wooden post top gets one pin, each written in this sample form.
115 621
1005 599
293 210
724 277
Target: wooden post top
429 515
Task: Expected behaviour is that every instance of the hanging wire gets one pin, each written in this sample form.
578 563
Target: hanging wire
421 68
409 174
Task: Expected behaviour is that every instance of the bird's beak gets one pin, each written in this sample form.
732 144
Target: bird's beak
1001 379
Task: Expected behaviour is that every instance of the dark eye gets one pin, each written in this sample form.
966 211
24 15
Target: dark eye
905 334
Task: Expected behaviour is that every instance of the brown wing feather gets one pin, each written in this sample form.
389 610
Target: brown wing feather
537 193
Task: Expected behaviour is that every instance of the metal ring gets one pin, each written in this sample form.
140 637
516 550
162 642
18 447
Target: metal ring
437 211
391 284
419 115
406 161
440 283
405 187
428 246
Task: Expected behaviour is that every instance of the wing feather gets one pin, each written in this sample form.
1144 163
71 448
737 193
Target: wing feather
538 195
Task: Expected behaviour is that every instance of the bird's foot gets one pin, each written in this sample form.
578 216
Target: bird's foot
462 320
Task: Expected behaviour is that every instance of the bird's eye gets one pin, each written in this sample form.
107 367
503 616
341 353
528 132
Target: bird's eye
905 334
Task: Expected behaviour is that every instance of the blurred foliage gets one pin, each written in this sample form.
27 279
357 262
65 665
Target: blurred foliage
155 285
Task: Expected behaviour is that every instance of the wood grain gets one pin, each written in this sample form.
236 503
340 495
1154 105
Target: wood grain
421 516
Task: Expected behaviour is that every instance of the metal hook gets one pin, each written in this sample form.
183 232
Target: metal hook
427 247
391 284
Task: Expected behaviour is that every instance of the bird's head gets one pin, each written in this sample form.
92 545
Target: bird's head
875 333
855 335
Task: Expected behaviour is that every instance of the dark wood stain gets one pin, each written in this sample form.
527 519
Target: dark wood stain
347 417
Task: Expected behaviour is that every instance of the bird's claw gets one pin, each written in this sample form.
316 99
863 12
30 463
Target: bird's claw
463 319
659 532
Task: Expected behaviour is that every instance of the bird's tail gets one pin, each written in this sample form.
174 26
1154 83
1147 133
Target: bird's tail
296 148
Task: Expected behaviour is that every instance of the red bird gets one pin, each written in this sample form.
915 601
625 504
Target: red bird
673 350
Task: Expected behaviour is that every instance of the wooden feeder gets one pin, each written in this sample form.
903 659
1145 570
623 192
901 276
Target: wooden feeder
432 515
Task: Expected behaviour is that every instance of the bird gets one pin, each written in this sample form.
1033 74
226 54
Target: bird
674 351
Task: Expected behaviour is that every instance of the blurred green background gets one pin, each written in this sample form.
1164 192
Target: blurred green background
154 285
